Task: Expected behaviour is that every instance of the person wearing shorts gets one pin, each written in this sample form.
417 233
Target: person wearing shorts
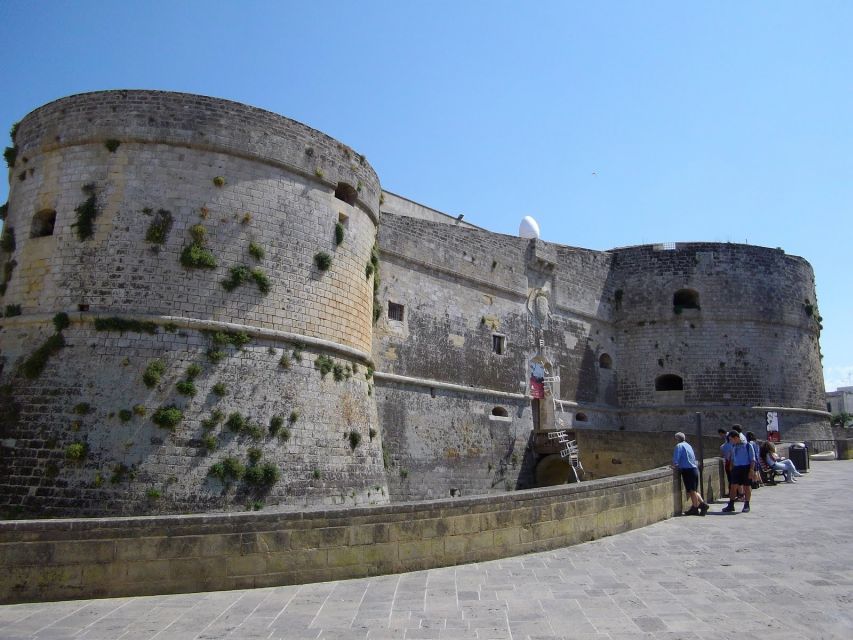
743 465
684 460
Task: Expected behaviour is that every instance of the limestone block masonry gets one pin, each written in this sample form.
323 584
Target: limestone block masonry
197 293
233 342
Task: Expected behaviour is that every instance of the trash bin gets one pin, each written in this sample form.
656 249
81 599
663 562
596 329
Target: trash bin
799 455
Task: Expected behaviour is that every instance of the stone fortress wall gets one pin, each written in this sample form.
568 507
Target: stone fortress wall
248 187
462 313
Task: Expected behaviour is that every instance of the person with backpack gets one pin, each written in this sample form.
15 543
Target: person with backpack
743 463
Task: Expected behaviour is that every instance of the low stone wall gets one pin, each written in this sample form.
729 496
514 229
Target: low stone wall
84 558
605 454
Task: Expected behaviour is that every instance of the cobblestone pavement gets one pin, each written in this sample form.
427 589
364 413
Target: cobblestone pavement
785 570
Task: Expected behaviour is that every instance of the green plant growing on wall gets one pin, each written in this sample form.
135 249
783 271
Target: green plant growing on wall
7 239
338 372
216 355
237 275
404 473
325 364
186 388
322 260
8 269
255 455
369 373
276 424
256 251
293 417
34 365
209 441
120 472
374 263
372 433
227 470
167 417
115 323
196 255
220 389
219 181
153 372
153 493
111 145
316 474
317 172
76 451
10 154
297 352
86 212
193 371
82 408
284 361
160 227
216 416
12 310
236 422
139 410
354 438
339 233
262 476
261 280
125 415
61 321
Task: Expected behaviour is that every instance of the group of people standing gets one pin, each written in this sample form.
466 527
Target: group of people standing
743 459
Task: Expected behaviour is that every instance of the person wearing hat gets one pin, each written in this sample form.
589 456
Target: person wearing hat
743 465
684 460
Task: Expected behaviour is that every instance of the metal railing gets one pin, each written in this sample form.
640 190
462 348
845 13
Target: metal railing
821 446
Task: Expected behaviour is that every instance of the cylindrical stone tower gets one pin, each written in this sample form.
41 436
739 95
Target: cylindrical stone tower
727 330
188 311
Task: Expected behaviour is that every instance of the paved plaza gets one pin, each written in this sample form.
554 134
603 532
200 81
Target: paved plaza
785 570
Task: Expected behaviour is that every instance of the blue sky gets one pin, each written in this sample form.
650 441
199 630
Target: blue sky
612 123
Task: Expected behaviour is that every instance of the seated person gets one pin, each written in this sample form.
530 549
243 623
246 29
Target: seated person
789 471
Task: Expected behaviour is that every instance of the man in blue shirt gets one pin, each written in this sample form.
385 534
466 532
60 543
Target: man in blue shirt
684 460
742 456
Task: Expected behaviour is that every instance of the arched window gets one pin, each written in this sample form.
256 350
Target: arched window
605 361
685 299
43 223
500 411
346 192
669 382
581 417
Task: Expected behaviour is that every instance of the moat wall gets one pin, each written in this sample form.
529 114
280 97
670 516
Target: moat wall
65 559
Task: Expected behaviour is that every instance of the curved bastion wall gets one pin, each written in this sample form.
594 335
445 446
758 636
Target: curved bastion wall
737 325
179 234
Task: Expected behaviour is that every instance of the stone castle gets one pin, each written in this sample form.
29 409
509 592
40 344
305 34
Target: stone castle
209 306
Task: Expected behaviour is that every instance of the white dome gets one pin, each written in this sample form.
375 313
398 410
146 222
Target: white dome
528 228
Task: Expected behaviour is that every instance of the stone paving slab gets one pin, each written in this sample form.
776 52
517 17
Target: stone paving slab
785 570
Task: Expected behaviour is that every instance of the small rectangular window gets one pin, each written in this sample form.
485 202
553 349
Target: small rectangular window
498 344
395 311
